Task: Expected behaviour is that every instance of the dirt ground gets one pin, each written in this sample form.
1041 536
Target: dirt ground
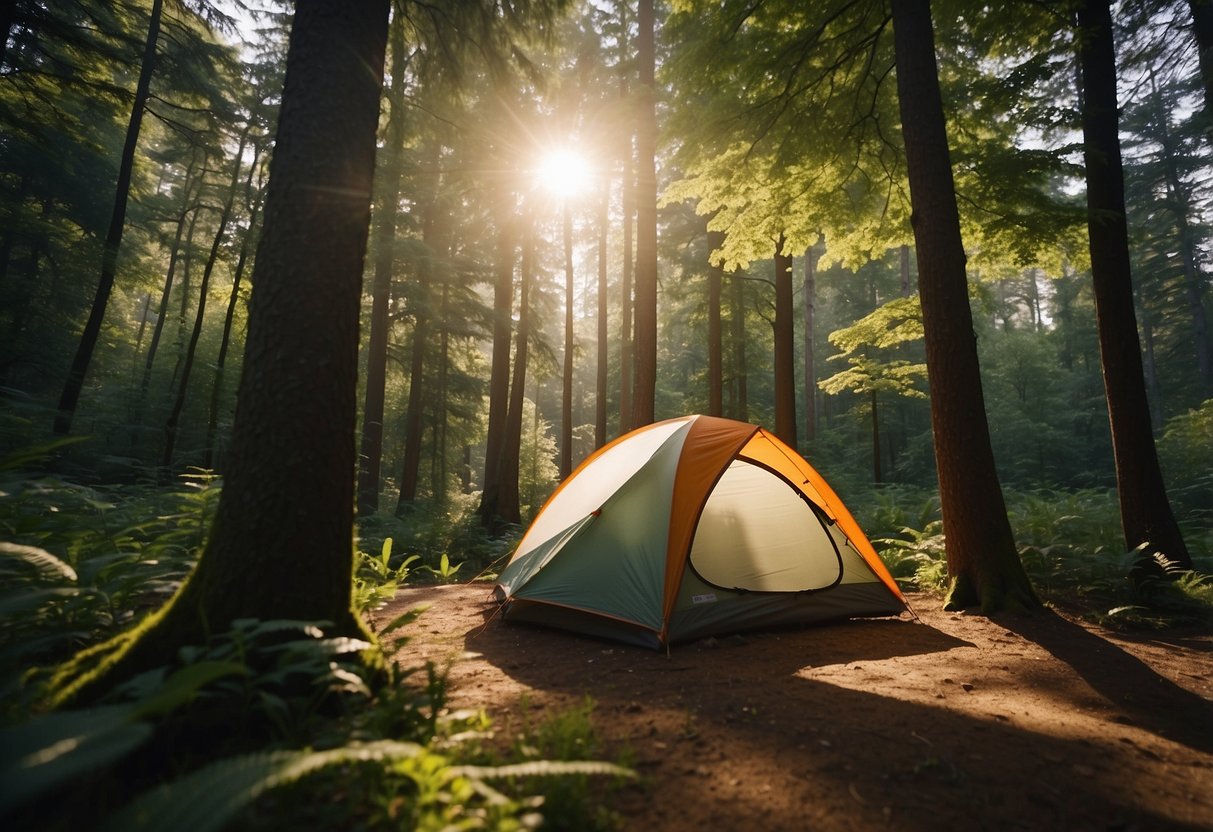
953 721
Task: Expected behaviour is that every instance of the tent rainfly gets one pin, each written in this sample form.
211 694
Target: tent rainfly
692 527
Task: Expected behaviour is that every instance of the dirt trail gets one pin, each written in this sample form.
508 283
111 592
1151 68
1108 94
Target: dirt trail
951 722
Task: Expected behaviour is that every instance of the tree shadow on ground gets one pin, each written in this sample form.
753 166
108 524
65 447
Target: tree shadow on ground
1148 700
745 737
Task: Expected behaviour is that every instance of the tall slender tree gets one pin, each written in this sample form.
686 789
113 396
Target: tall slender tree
173 421
70 396
509 499
644 387
370 455
715 351
566 382
785 373
1145 511
810 370
983 563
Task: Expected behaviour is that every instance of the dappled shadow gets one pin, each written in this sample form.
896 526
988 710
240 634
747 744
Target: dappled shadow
858 725
747 737
1147 699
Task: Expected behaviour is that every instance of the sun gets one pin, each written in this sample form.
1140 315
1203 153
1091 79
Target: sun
563 172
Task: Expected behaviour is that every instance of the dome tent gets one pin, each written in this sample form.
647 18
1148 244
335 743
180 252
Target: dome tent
691 527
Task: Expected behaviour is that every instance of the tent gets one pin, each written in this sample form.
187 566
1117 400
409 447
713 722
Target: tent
691 527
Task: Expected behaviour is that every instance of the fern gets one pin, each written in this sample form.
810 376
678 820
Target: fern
210 797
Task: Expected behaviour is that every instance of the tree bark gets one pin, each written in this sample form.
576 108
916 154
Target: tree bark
741 406
566 392
499 377
810 370
280 544
1145 511
174 417
982 561
785 348
253 203
1202 29
509 507
715 354
644 384
370 455
604 332
113 238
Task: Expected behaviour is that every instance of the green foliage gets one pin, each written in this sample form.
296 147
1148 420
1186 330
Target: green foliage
432 531
1185 450
82 564
1071 546
376 579
565 735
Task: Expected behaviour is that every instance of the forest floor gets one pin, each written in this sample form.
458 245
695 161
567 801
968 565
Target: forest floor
953 721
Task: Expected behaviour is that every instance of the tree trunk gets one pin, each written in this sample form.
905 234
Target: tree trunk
785 349
810 371
438 468
1145 511
982 560
113 238
1202 28
411 466
741 406
370 455
509 506
499 378
210 461
644 383
715 355
1180 201
604 333
877 473
566 392
189 206
280 545
174 417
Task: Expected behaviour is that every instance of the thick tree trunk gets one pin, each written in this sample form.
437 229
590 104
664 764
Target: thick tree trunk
982 560
810 370
113 238
280 545
645 356
566 392
715 341
785 349
499 377
370 455
1145 511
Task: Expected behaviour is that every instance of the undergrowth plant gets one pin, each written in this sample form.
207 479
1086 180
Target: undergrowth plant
272 723
1072 548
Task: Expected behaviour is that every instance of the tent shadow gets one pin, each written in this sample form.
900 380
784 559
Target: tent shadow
1167 709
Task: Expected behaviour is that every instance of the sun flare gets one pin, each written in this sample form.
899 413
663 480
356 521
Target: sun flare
563 173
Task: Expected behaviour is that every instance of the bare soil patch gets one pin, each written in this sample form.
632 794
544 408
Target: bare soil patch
953 721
